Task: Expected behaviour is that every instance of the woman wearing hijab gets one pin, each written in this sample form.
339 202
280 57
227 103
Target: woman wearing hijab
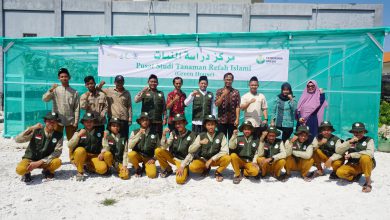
311 107
283 111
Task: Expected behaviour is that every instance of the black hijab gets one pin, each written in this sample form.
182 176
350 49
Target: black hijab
285 85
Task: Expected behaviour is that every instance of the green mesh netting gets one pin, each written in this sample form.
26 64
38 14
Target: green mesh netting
346 63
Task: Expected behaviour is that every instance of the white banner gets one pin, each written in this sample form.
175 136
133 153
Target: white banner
192 62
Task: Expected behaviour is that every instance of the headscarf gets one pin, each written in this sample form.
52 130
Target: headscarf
309 102
285 85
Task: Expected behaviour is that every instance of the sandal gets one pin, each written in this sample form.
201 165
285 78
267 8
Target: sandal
218 177
47 174
237 179
282 178
366 188
206 172
357 178
315 174
138 172
333 176
166 173
27 178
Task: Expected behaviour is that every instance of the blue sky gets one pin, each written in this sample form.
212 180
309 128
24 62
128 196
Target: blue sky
386 9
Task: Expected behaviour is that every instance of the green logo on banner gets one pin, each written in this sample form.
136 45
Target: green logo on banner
260 59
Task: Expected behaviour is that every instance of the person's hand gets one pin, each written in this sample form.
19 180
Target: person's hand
194 93
177 97
235 132
236 122
208 163
105 134
272 123
289 96
294 138
165 131
353 140
180 171
37 126
82 132
101 84
328 163
75 125
87 94
53 87
321 90
263 135
346 157
145 89
101 156
225 92
323 141
34 165
204 141
151 161
302 120
142 131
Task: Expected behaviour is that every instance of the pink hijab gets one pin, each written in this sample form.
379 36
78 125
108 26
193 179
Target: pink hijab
309 102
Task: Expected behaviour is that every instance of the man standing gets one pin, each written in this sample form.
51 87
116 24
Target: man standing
153 102
66 104
44 148
175 102
228 103
255 106
119 104
202 105
95 102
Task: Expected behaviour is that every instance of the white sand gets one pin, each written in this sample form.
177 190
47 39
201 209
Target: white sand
144 198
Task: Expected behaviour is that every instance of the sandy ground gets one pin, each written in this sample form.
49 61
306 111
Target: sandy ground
199 198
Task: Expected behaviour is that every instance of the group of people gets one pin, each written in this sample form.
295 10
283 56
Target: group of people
262 148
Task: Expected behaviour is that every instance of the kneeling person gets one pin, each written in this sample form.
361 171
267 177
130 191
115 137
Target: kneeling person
178 143
272 154
44 148
143 142
299 153
245 147
359 152
212 149
86 148
324 146
114 148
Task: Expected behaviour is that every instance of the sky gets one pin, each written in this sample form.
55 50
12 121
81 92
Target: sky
386 9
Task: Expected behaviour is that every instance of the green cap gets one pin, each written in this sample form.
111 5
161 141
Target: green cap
143 115
88 116
357 127
52 116
245 124
302 128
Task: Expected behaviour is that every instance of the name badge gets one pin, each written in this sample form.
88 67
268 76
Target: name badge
188 138
39 137
111 143
54 140
276 146
83 137
241 143
217 141
254 145
332 143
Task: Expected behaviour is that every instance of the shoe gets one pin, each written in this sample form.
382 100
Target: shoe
206 172
357 178
47 174
80 177
333 176
237 179
282 178
27 178
166 173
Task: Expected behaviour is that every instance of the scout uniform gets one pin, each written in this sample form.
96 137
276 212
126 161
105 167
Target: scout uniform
42 146
153 102
202 105
86 149
178 155
114 149
216 149
246 149
95 103
276 151
322 152
143 147
362 156
299 155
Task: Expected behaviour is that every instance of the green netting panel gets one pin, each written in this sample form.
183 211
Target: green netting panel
346 63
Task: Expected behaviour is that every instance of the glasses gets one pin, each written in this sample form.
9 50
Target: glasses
311 86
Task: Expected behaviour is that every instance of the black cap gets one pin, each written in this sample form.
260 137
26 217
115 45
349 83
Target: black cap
119 78
63 70
179 117
143 115
357 127
245 124
52 116
88 116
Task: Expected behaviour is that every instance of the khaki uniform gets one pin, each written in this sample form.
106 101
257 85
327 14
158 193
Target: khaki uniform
166 157
138 142
66 104
85 151
43 146
97 105
361 161
299 157
277 151
245 156
321 154
220 159
113 147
